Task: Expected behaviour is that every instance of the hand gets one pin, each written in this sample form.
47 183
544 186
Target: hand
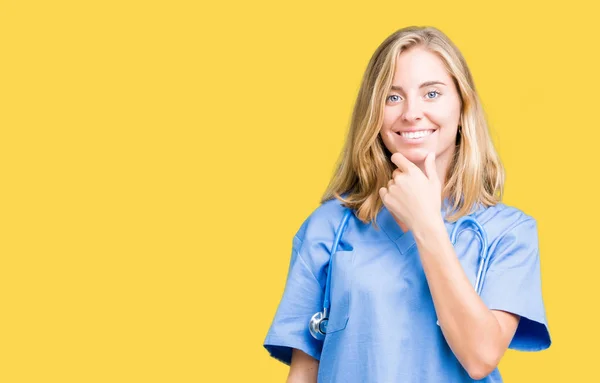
412 196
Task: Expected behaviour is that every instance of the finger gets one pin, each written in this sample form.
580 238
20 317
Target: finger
382 193
390 202
430 168
402 162
399 178
397 172
396 175
386 198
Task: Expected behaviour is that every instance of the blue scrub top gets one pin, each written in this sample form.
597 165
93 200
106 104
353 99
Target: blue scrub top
382 324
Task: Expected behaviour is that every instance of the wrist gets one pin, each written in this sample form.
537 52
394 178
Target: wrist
434 226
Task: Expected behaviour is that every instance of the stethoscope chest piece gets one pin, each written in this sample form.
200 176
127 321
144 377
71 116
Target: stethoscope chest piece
318 325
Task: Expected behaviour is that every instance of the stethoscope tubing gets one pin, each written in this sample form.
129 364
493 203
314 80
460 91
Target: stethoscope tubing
336 241
483 262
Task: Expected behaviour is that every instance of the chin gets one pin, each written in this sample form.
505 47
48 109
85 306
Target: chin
415 155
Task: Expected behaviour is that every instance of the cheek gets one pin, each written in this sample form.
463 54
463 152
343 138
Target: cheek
390 115
449 129
386 130
445 115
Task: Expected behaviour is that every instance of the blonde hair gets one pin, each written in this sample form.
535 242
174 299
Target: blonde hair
475 174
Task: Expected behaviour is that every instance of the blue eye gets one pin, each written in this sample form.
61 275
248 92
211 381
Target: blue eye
433 94
393 95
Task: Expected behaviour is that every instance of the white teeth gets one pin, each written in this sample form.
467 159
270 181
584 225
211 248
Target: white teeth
417 134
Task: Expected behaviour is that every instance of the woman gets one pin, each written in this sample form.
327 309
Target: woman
406 302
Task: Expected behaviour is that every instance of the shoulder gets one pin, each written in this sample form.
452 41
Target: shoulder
316 234
502 214
501 220
322 222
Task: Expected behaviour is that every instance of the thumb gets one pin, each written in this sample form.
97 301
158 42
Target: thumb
430 168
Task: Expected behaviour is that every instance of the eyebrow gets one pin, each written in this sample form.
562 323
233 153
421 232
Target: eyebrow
427 83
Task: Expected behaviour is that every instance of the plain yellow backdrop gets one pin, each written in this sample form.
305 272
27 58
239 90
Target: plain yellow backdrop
157 158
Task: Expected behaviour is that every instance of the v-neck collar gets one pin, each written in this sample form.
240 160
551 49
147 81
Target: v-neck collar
403 240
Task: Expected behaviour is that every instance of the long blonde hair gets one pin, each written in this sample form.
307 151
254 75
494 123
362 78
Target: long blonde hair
475 174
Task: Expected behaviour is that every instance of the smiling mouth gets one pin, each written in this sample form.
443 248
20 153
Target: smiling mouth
415 135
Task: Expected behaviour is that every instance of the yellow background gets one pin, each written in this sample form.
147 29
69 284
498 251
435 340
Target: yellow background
157 157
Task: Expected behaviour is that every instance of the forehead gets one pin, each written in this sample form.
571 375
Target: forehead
417 65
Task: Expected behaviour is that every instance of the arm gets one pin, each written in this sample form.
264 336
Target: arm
478 336
303 369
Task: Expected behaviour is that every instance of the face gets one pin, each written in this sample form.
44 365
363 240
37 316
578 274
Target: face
422 110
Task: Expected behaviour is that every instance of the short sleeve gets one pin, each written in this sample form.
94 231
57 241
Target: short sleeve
302 298
512 283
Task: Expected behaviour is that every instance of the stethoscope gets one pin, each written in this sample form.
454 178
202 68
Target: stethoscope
318 322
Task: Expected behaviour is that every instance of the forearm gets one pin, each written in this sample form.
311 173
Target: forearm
303 369
470 328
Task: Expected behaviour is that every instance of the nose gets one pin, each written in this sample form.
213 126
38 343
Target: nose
412 110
